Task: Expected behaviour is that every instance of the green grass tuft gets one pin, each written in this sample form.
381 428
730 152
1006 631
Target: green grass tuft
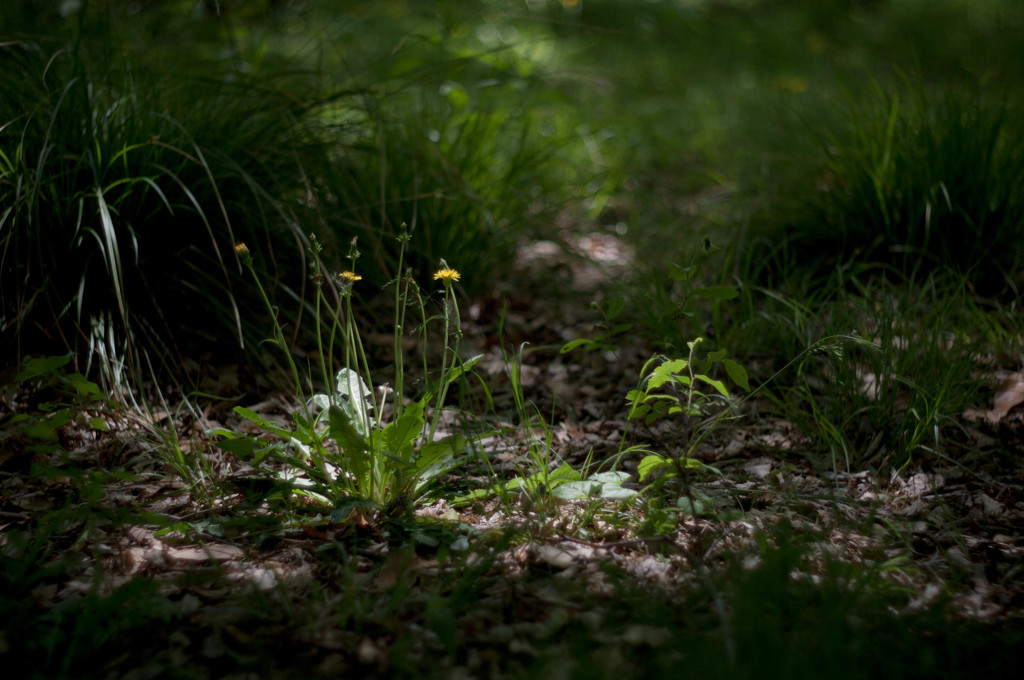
914 178
123 191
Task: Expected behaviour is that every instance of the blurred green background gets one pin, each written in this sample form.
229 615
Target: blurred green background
139 141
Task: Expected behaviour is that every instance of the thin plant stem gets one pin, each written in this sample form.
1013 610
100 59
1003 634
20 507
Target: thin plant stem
324 358
423 331
279 337
400 300
451 310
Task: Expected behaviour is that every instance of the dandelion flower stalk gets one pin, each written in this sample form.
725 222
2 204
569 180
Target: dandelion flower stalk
452 337
317 276
247 261
400 307
355 355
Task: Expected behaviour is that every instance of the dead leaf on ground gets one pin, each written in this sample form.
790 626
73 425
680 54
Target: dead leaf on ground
1009 394
216 552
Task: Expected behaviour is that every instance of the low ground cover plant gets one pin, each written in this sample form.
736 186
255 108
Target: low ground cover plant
350 447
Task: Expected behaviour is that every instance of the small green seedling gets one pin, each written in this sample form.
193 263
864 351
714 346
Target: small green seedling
670 388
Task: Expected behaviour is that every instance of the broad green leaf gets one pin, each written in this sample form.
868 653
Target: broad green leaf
276 451
456 371
356 396
46 430
265 424
399 435
474 495
638 410
150 517
553 479
344 432
82 385
594 490
180 527
604 485
520 483
431 452
617 477
615 492
43 431
574 490
36 368
689 507
578 342
668 372
737 374
436 458
672 366
241 446
563 473
731 515
322 401
662 400
350 384
652 464
694 464
717 384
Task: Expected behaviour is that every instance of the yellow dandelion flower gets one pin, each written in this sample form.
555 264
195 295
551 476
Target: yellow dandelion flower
349 277
446 275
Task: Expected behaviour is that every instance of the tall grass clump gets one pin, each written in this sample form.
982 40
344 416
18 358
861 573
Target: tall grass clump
126 174
461 161
122 189
912 178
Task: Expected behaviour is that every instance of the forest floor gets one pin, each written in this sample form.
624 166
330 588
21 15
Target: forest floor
783 566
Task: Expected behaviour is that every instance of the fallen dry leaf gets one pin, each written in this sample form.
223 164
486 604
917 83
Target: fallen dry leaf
1008 394
218 552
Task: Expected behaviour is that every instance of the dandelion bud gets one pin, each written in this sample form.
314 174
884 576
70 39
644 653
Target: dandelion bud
243 253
